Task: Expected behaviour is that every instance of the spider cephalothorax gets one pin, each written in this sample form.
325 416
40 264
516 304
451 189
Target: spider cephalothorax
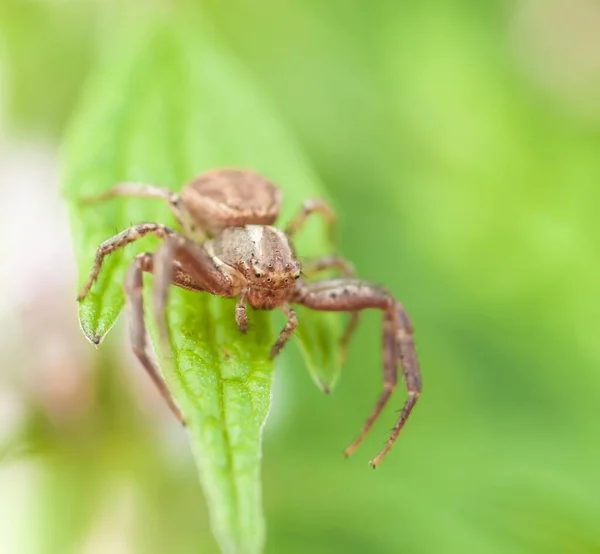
228 247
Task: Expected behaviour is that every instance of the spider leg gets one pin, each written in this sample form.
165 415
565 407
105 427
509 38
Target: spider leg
241 313
119 241
144 190
179 261
317 265
137 327
390 380
287 331
163 274
311 206
398 343
195 261
179 252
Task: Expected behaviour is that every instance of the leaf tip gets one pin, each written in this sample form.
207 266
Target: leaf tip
92 335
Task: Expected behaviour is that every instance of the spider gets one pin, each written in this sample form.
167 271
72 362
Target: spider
229 247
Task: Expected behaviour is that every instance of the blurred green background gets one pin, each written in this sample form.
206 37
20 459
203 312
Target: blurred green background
460 144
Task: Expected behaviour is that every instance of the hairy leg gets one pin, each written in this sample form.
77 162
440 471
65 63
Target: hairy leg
144 190
195 261
195 271
317 265
241 314
119 241
398 342
179 277
163 274
167 271
287 331
137 326
179 253
190 255
405 346
390 380
311 206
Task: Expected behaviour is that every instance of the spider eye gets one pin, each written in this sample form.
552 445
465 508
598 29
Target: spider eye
297 276
268 279
258 275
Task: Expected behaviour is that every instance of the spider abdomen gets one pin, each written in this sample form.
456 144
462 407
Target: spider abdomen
231 198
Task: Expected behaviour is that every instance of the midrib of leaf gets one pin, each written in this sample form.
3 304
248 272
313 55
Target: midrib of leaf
174 131
186 167
224 428
226 439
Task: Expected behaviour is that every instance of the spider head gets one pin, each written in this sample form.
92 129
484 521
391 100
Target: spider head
271 268
274 274
266 259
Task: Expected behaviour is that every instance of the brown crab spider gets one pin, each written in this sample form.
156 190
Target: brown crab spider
228 247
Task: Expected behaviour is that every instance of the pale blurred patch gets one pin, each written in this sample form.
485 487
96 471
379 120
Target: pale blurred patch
19 483
115 526
12 414
40 349
558 45
36 248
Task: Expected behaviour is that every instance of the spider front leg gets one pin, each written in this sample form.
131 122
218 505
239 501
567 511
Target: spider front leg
120 241
134 304
286 332
398 343
178 251
241 313
195 270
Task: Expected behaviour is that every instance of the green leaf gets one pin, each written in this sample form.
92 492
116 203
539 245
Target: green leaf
163 107
319 344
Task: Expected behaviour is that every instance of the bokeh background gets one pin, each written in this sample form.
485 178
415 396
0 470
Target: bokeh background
460 143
